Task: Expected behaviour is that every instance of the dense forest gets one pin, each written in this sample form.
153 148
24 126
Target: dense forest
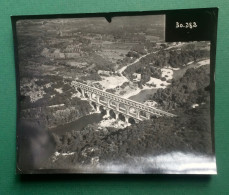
192 88
189 132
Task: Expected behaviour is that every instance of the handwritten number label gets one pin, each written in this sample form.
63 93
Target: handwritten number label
189 25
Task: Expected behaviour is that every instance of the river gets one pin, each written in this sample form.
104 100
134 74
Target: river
78 124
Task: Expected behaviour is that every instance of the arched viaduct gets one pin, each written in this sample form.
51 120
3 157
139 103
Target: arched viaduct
128 108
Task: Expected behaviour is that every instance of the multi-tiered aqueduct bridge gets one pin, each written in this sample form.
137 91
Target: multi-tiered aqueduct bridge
118 104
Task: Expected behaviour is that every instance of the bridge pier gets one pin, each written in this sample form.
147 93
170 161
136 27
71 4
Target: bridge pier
108 103
89 96
107 112
126 119
127 109
97 99
148 115
137 114
97 107
116 114
83 93
117 106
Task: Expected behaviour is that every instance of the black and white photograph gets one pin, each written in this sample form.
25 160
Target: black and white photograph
112 96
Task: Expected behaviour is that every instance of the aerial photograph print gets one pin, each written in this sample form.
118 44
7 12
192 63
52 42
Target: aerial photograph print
112 97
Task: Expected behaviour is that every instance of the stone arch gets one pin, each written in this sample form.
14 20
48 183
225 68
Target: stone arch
102 99
122 107
131 120
132 110
154 116
93 96
121 117
79 89
94 105
142 113
102 109
112 113
113 104
86 94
